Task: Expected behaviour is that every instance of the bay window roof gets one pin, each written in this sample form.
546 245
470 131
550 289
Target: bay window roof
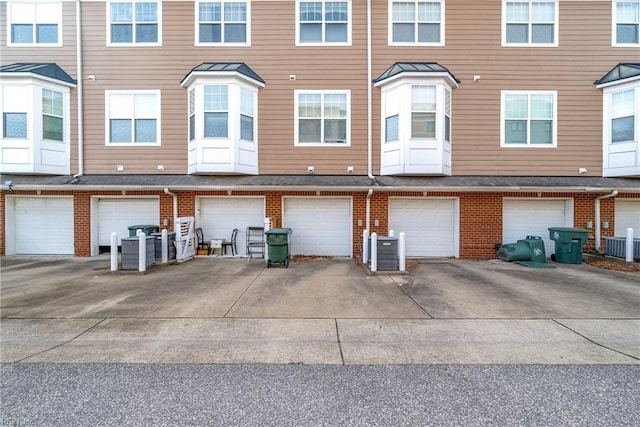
239 69
46 70
624 71
422 69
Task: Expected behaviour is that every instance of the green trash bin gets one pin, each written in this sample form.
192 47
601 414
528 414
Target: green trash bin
536 244
278 240
568 243
146 229
519 251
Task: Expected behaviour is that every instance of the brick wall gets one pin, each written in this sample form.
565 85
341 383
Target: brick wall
480 213
480 225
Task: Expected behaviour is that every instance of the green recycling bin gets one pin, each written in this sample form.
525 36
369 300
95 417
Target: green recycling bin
278 242
145 228
568 243
536 244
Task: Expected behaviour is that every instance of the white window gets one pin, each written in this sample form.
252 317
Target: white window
34 23
423 111
624 115
133 117
247 114
416 22
626 23
216 111
52 115
323 22
529 23
15 106
192 114
528 119
222 22
322 118
447 115
134 22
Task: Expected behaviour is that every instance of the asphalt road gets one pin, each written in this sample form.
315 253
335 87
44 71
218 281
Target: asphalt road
319 395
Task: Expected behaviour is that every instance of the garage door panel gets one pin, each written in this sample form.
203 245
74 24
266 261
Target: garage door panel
429 225
321 226
44 226
118 214
220 215
522 218
627 216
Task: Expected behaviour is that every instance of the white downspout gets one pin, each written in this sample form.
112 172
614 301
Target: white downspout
597 217
369 102
175 209
368 210
79 88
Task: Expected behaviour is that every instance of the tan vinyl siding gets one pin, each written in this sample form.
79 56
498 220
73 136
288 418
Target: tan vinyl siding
272 55
473 47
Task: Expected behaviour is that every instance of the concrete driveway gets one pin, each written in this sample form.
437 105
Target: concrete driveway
64 310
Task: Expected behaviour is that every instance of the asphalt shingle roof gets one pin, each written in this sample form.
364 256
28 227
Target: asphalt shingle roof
326 182
44 69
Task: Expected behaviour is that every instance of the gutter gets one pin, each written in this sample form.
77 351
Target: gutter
331 188
80 91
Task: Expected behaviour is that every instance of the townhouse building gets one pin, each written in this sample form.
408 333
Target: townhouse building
462 123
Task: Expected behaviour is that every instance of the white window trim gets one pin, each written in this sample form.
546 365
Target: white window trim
107 94
349 25
614 23
556 24
390 41
197 41
297 118
554 132
607 116
137 44
233 109
57 21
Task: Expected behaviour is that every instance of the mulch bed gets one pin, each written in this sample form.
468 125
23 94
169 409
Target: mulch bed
611 263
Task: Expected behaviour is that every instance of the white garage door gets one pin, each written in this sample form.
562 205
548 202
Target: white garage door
430 226
522 218
44 225
220 215
627 216
118 214
321 225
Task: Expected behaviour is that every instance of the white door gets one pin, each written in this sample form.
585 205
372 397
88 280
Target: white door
529 217
43 225
430 225
218 216
320 225
627 216
118 214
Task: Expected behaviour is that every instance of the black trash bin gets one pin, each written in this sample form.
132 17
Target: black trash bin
278 242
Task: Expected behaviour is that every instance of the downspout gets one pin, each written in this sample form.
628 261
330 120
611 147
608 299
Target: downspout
79 91
368 209
597 215
175 208
369 118
369 101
